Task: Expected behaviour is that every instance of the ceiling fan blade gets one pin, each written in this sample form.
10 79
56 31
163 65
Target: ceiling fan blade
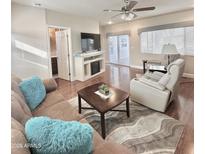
131 5
144 9
117 15
107 10
134 15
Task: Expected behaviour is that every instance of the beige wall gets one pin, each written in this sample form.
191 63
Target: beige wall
29 42
29 27
76 23
135 55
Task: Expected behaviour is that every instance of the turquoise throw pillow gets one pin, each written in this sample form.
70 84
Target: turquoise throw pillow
34 91
51 136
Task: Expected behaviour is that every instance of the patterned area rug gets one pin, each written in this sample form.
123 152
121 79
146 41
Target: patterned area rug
145 132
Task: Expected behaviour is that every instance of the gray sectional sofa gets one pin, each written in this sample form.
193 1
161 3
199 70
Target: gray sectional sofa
54 106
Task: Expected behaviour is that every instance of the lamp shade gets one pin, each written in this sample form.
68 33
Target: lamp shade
169 49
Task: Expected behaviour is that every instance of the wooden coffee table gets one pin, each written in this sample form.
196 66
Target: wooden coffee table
103 105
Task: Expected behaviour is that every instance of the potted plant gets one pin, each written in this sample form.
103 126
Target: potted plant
104 89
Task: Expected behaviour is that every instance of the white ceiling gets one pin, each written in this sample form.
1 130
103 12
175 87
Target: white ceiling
94 8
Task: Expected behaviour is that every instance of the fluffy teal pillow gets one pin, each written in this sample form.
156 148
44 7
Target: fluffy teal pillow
33 90
51 136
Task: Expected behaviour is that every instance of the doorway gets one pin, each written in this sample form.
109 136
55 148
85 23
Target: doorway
60 49
118 47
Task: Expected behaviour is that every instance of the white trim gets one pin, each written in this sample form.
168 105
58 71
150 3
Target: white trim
49 53
187 54
57 27
48 47
137 66
72 78
188 75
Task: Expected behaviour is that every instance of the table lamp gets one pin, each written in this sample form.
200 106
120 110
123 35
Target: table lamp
169 49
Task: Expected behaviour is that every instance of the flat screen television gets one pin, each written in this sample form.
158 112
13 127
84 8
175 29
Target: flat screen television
90 42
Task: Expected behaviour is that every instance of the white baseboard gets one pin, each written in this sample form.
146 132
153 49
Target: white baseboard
136 66
188 75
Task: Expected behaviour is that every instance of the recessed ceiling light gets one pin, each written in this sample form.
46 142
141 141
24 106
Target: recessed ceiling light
110 22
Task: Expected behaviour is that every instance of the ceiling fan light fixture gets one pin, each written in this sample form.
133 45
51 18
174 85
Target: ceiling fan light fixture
128 19
127 16
128 11
130 16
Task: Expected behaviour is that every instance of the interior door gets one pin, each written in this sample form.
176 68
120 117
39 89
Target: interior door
62 48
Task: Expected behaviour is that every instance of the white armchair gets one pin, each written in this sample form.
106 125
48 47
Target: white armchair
157 90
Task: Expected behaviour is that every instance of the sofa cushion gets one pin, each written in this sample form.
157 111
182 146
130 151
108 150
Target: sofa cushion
104 147
19 143
57 136
15 87
159 74
62 110
15 78
33 90
152 76
97 139
112 148
50 85
15 97
152 83
16 125
52 98
17 112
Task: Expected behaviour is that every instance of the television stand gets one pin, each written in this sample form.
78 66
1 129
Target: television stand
89 64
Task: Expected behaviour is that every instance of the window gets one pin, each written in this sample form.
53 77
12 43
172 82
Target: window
183 38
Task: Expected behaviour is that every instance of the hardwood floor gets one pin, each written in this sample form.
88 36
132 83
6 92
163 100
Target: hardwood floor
120 76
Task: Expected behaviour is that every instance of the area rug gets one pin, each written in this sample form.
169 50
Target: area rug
145 132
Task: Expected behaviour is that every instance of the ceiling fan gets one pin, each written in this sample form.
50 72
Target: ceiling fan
127 12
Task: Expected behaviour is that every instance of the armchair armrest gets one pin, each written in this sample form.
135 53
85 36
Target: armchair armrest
149 96
50 85
152 83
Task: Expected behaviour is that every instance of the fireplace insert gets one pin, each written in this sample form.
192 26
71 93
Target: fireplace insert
95 67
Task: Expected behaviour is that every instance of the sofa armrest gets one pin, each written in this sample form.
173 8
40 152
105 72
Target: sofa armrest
50 85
